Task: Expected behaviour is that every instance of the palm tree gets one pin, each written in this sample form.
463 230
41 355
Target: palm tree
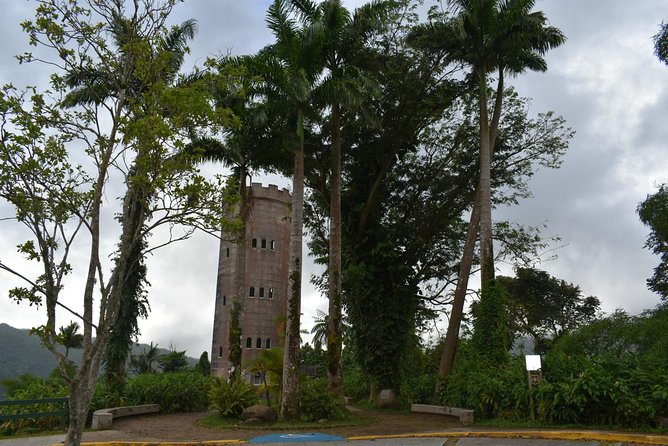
269 363
290 70
320 328
506 37
344 88
69 337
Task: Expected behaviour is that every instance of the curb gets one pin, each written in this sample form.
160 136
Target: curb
544 435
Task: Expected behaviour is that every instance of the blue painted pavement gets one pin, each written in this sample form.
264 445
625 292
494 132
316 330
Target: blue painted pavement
289 438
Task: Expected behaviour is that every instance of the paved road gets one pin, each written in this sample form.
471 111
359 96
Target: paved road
56 439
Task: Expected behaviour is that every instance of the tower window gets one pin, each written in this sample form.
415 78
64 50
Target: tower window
249 343
220 352
267 343
254 243
251 292
261 291
227 252
273 245
258 343
264 243
224 300
271 293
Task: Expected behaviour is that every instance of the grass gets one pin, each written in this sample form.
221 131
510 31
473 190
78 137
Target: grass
350 419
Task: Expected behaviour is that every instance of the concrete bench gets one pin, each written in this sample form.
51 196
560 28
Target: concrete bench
465 415
103 418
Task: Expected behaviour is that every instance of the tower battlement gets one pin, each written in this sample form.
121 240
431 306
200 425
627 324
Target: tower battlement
271 192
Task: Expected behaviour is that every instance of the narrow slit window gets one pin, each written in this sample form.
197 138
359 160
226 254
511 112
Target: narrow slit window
264 243
258 343
224 300
261 291
272 245
220 352
254 243
267 343
227 252
251 292
271 293
249 343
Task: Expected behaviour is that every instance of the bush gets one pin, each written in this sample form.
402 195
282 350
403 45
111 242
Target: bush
317 402
231 399
354 383
175 392
31 388
417 389
602 390
489 390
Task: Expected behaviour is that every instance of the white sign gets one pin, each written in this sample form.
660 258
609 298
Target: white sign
533 362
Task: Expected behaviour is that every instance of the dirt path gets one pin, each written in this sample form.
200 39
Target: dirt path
184 427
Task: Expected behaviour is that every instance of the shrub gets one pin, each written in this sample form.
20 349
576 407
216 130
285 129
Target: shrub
33 389
354 383
175 392
417 389
491 391
317 402
231 399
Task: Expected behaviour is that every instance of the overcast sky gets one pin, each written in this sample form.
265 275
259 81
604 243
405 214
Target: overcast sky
605 81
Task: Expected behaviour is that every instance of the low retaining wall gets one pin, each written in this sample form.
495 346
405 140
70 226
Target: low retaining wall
104 418
464 415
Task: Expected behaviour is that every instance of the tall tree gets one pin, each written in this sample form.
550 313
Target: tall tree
544 307
488 36
344 88
57 199
653 212
291 70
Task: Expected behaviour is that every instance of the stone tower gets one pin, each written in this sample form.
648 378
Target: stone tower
266 284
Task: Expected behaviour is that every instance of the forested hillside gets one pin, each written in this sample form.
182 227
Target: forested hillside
21 353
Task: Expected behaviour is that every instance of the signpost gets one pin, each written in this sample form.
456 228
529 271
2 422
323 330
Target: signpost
534 375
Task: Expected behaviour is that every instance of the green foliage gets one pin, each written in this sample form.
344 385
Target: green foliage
32 388
230 399
69 337
654 213
490 389
317 402
620 334
312 360
204 365
235 337
491 337
544 307
175 392
602 390
173 361
417 389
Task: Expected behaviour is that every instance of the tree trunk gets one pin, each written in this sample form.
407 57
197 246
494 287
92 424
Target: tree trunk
486 240
334 337
290 399
239 279
452 335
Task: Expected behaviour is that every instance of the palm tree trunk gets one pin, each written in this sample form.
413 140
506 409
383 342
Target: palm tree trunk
486 240
334 338
452 335
290 399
